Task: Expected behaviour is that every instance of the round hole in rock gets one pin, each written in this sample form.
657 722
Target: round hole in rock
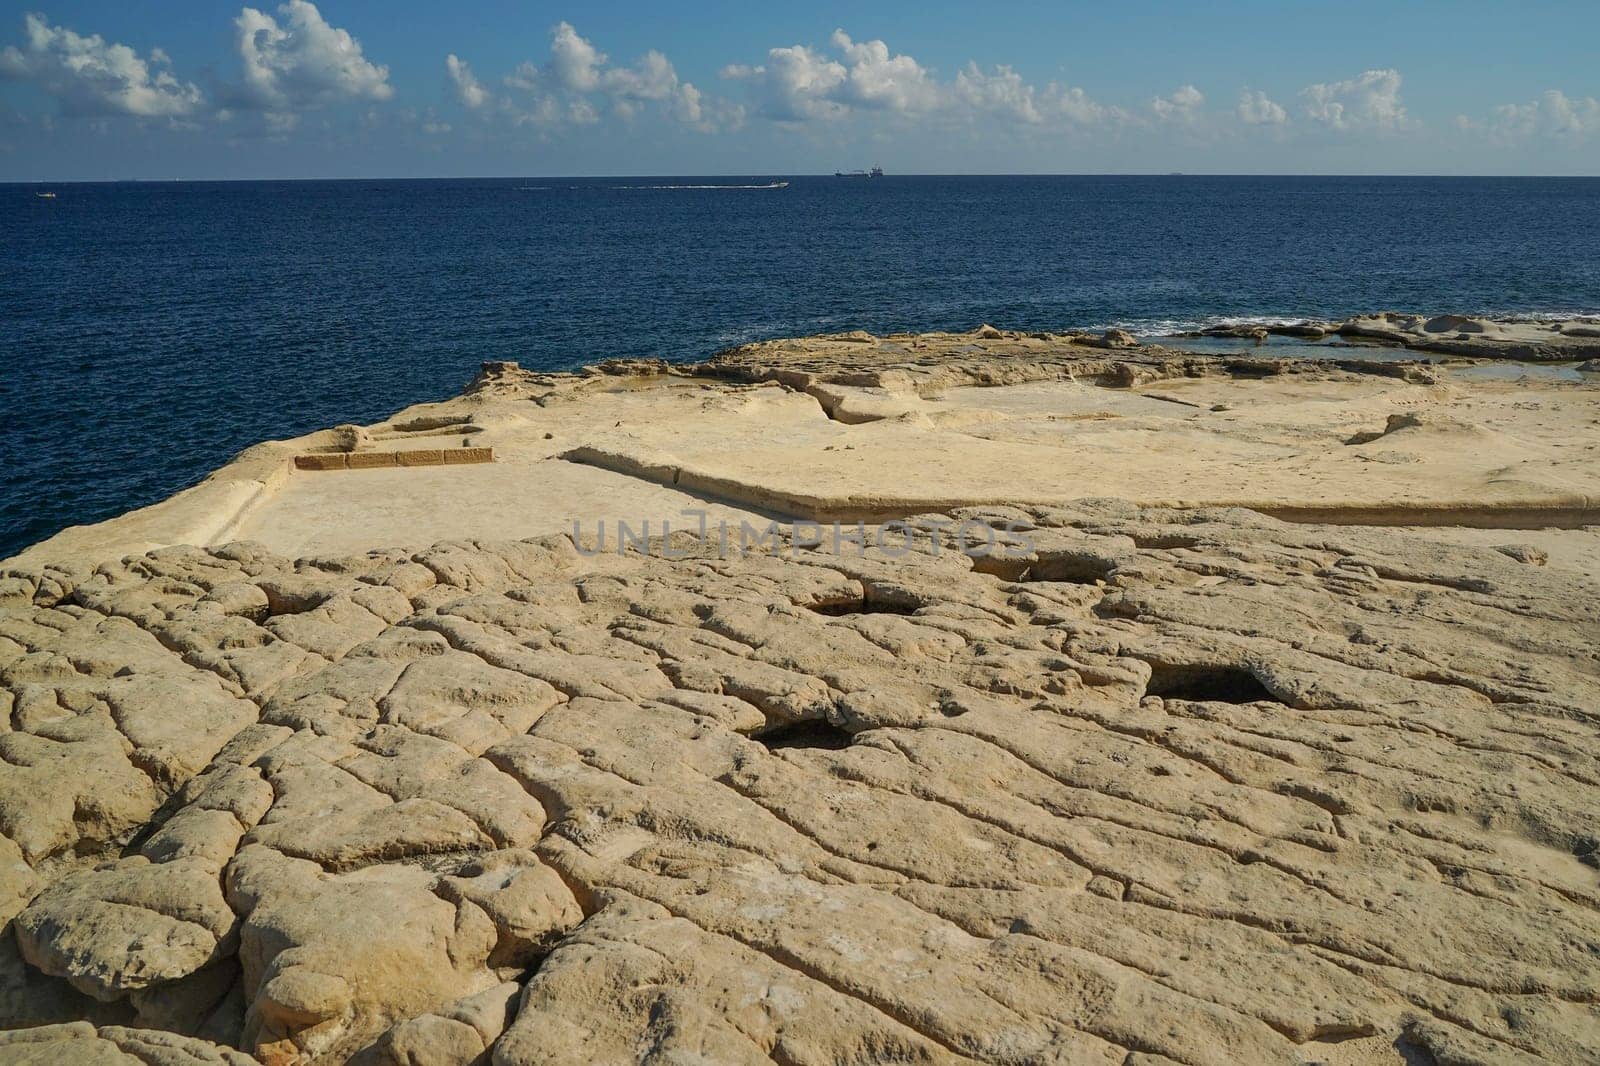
812 734
1206 683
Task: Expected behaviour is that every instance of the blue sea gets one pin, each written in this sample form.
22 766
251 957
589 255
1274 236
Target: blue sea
148 332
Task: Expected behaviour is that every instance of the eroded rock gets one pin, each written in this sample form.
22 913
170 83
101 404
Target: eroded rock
1126 786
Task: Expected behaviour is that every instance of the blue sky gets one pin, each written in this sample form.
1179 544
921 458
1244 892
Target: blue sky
356 88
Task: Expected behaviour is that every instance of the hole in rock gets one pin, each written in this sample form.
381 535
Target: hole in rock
1214 684
1587 851
1414 1054
1072 569
840 608
812 734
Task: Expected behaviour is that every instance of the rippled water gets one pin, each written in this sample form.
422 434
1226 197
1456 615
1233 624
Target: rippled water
150 331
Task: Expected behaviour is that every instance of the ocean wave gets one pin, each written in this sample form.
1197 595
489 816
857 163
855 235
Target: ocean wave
1169 327
1523 314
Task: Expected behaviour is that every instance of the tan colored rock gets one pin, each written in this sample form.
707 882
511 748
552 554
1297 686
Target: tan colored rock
1015 781
125 927
331 962
17 881
529 904
348 438
461 1036
81 1043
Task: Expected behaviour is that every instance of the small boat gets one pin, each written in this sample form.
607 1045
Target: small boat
875 172
45 195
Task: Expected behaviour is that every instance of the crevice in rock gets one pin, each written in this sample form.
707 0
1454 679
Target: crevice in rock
1070 569
1002 567
157 821
1203 683
815 733
1163 541
1413 1053
843 608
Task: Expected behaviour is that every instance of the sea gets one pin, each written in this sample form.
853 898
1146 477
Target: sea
150 331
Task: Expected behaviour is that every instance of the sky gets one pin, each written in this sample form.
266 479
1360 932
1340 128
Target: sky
100 90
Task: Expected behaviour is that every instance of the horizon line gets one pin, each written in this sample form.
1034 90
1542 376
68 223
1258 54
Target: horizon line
780 175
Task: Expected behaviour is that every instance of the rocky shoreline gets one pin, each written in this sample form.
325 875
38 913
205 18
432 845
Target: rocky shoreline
1523 339
1143 707
902 382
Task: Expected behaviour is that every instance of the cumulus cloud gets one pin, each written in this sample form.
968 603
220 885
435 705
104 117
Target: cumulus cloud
302 62
795 83
1553 114
1255 109
574 62
652 80
798 83
1002 94
468 90
1074 105
578 82
89 76
1183 105
877 80
1370 100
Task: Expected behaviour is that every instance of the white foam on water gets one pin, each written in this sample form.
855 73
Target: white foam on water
1169 327
769 185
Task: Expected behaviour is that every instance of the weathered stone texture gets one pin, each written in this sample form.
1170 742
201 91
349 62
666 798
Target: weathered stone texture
1150 786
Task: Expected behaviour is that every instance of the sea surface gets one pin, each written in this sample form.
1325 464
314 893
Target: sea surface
150 331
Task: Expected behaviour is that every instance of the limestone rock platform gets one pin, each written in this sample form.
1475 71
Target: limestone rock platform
1141 708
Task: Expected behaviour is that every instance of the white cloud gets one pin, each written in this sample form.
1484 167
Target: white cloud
525 76
1002 94
303 62
574 62
1553 114
1255 109
468 90
878 80
578 82
1074 105
798 83
795 84
1370 100
653 79
90 76
1183 105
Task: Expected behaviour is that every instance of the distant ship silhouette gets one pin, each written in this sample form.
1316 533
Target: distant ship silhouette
875 172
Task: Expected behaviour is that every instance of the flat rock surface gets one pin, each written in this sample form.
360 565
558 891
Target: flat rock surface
1113 785
861 427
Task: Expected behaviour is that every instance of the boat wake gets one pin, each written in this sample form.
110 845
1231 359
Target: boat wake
768 185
